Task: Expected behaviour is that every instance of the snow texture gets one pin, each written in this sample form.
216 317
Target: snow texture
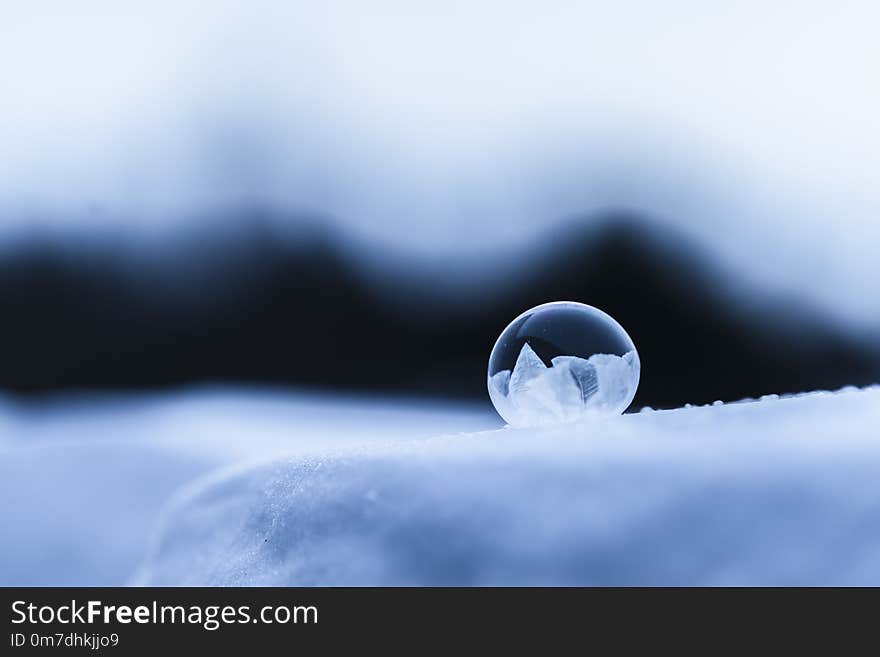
534 394
83 480
774 491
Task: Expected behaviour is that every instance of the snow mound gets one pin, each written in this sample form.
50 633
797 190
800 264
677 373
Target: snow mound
83 480
777 491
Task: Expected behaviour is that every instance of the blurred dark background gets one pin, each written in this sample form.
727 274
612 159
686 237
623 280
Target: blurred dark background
360 196
250 306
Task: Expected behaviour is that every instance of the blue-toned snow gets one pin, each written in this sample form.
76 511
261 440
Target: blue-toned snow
82 482
281 489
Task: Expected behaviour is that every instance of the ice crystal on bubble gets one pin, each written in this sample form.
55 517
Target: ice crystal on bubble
570 361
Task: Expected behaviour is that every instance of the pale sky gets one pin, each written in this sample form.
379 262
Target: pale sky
752 125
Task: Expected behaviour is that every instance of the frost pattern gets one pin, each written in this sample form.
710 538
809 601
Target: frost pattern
572 387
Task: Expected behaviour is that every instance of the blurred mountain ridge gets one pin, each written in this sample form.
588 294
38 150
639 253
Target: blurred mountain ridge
270 299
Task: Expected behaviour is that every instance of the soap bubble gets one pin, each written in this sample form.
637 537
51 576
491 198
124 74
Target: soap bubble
562 362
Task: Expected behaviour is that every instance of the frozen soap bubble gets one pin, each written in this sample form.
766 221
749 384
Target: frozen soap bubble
562 362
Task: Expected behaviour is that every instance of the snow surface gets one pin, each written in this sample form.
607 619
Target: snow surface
774 491
275 487
82 481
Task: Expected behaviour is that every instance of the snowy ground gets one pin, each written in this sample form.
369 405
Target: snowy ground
231 487
82 481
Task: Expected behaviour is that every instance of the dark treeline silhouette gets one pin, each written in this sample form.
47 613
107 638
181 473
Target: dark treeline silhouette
263 310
